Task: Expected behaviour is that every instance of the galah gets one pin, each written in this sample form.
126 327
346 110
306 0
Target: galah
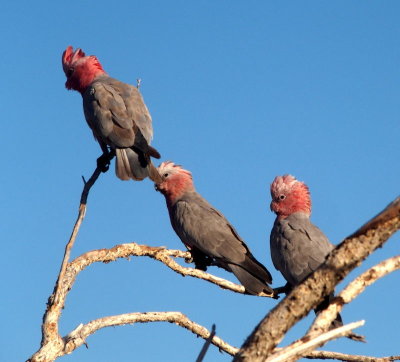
206 233
298 247
117 115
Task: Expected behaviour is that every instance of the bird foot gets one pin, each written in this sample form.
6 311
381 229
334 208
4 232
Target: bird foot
200 260
283 290
103 162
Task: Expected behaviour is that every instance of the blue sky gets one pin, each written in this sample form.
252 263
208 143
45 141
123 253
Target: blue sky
239 92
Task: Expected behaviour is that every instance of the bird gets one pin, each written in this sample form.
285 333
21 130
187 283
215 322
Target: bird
298 247
206 233
117 115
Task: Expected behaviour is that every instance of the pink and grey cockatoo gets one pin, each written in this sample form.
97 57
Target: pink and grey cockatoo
298 247
117 115
206 233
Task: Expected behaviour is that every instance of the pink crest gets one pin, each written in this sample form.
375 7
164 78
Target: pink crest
176 181
289 196
172 168
69 57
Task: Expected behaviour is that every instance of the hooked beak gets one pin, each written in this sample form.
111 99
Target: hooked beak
157 187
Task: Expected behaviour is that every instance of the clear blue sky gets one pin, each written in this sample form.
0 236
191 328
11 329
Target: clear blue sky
239 91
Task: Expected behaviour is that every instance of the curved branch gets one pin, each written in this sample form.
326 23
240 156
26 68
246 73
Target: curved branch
307 295
161 254
78 336
356 287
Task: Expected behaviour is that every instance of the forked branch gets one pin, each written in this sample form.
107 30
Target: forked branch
266 336
307 295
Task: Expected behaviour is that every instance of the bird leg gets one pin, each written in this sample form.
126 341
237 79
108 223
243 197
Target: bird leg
103 162
200 260
285 289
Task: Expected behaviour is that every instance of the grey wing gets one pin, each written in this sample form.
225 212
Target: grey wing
117 114
199 225
298 247
276 248
138 111
107 116
135 107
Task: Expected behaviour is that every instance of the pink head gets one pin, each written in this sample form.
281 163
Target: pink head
80 69
176 181
289 196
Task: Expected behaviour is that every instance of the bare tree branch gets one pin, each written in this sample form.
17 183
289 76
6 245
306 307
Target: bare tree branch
324 319
348 357
207 343
356 287
78 336
157 253
53 345
293 352
307 295
56 301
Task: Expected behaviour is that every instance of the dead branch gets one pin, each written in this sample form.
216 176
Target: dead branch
306 296
161 254
55 302
294 352
78 336
355 288
372 235
324 319
52 344
348 357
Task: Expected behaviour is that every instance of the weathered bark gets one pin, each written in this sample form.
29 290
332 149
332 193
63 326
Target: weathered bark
307 295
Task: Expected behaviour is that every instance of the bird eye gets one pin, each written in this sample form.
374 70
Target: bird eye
282 197
70 71
166 174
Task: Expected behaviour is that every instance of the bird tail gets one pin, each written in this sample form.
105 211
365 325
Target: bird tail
136 166
253 284
253 266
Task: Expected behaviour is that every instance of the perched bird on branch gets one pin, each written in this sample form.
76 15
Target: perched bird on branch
298 247
206 233
117 115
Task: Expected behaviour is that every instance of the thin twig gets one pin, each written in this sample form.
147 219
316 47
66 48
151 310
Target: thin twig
50 335
206 345
295 351
348 357
81 215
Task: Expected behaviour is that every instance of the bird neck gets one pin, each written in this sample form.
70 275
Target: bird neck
284 215
178 189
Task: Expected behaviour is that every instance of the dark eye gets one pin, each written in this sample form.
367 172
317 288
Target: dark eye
166 174
282 197
70 71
